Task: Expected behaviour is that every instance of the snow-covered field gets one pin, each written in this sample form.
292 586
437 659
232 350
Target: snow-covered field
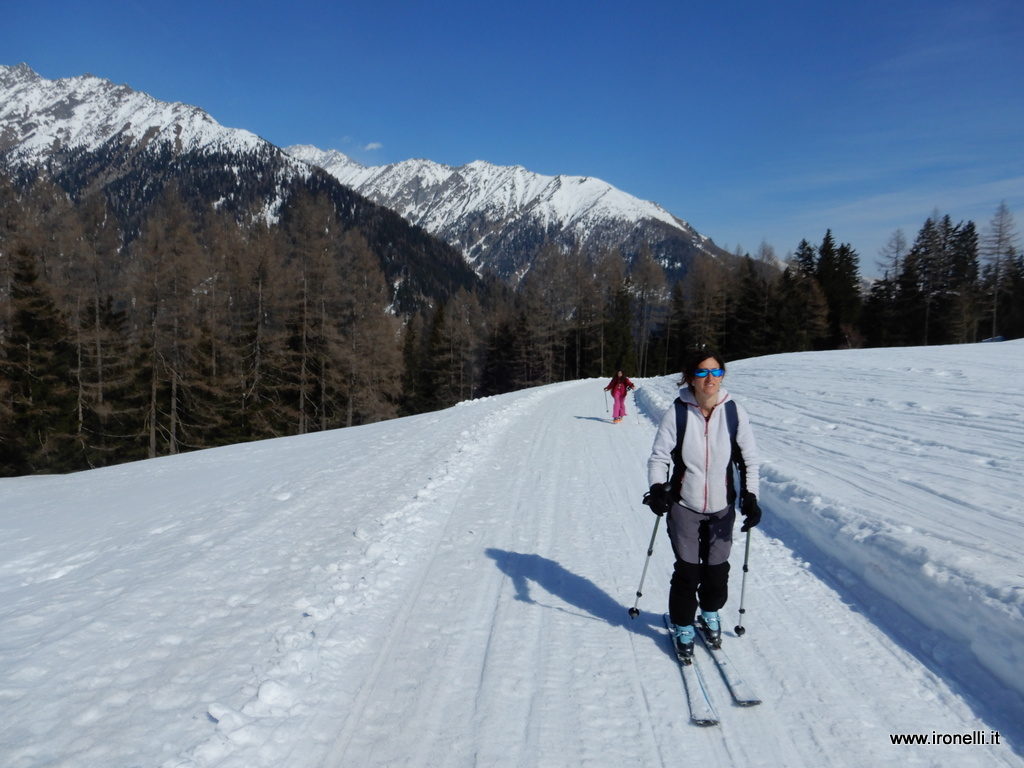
451 589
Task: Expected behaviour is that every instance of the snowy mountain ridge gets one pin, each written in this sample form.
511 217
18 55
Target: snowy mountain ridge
37 115
498 217
500 191
470 205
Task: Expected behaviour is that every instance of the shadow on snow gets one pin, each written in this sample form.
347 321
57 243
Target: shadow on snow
577 591
598 419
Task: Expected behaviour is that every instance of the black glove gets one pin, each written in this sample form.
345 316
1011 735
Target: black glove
659 499
751 512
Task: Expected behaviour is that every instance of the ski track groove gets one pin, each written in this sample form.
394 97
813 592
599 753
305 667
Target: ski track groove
888 489
524 655
630 507
637 678
370 684
399 621
429 688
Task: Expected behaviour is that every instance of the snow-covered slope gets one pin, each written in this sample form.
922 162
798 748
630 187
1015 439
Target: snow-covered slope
37 114
451 589
481 207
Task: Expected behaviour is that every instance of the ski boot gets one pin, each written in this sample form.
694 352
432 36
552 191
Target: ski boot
711 628
682 638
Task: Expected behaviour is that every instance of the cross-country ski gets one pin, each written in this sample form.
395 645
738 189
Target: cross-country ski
741 691
702 712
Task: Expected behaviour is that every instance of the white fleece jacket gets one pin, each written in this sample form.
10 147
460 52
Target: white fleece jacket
707 449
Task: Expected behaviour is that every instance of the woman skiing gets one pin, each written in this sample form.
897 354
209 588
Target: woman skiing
619 386
691 480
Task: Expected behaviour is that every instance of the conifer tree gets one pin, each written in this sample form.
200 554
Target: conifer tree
935 285
467 330
527 361
800 311
37 363
879 321
261 340
415 387
609 276
618 331
893 253
805 259
708 297
215 361
545 296
941 307
105 380
101 342
586 308
165 274
369 357
649 287
308 385
11 450
677 335
749 322
1012 316
963 280
439 364
1000 249
837 274
914 289
499 372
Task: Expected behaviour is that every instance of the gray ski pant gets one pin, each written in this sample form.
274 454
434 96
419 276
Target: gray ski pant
701 544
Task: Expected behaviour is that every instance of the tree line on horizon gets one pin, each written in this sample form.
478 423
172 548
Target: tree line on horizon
196 332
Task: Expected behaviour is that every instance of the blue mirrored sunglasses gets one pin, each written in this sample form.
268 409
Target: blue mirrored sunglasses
702 373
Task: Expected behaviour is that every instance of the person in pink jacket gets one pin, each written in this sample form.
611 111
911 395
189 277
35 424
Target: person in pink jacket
619 386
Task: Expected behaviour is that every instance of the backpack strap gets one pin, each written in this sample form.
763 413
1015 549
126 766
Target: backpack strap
678 468
737 467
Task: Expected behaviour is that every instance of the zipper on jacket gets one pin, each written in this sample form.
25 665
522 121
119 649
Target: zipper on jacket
707 458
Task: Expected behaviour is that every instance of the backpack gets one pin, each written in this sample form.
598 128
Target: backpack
736 463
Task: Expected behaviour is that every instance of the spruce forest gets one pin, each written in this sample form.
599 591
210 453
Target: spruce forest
184 329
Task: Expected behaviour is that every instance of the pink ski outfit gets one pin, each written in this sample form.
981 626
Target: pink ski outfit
619 386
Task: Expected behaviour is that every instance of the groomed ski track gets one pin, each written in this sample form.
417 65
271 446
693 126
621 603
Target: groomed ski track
503 637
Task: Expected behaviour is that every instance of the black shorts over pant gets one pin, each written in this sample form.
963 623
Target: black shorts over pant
701 544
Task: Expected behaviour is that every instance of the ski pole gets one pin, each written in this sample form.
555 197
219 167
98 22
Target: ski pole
634 611
740 629
606 401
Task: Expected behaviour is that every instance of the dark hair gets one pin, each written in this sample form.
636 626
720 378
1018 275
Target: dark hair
693 359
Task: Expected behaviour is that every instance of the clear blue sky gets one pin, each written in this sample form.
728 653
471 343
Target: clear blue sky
753 121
